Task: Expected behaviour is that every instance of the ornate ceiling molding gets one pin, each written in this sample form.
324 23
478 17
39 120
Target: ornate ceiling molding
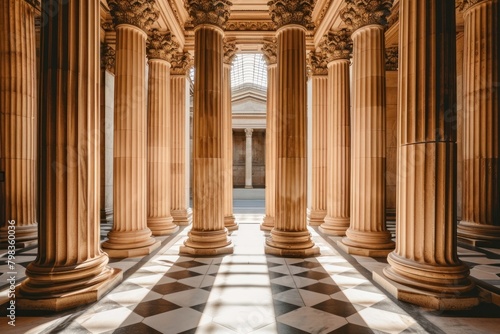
337 44
160 45
391 58
323 12
359 13
317 62
108 57
230 50
250 26
285 12
140 13
208 12
464 5
180 63
270 51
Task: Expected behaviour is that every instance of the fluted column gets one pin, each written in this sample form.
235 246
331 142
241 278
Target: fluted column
480 223
338 45
269 52
159 50
130 235
18 117
367 234
248 158
290 236
179 98
208 235
70 268
227 137
425 266
317 212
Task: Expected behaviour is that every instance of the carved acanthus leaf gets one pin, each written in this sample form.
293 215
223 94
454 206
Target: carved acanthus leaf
230 50
359 13
209 12
160 45
140 13
391 58
317 63
249 26
269 50
108 57
285 12
180 63
337 44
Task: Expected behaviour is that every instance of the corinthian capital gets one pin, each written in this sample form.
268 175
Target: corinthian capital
391 58
463 5
140 13
317 63
180 63
359 13
338 45
160 45
209 12
230 50
269 50
285 12
107 58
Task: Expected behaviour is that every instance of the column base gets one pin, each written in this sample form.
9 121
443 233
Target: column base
25 235
478 235
123 244
183 217
290 244
207 243
106 216
248 187
72 299
372 244
316 217
162 226
267 224
335 226
424 298
230 223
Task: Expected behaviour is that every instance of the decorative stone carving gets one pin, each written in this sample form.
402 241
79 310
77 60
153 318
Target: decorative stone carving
209 12
291 12
181 62
463 5
160 45
338 45
140 13
322 14
317 63
269 50
391 58
230 50
34 3
108 57
359 13
250 26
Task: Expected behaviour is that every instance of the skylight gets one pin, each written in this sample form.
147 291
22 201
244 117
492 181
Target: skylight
249 70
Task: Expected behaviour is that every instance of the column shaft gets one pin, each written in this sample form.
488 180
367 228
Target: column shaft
367 234
208 234
248 158
425 258
180 210
130 235
317 212
339 149
70 268
159 219
18 120
481 180
290 236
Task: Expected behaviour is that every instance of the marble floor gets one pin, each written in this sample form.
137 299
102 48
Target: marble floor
250 292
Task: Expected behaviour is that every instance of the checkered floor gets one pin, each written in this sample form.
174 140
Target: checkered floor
248 292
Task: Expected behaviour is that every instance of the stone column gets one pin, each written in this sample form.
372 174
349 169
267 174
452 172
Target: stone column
480 223
180 157
160 47
367 234
317 63
338 46
269 52
227 140
424 269
130 235
290 236
18 120
70 269
208 236
248 158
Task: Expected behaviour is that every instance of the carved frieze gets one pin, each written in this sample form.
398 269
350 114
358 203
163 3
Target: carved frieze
180 63
230 50
391 58
337 44
208 12
269 51
160 45
108 58
317 63
359 13
285 12
250 26
140 13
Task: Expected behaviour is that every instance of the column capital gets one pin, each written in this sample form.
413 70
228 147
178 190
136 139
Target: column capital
391 58
160 45
464 5
140 13
180 63
317 63
108 57
35 3
269 50
209 12
338 44
285 12
248 132
359 13
230 50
